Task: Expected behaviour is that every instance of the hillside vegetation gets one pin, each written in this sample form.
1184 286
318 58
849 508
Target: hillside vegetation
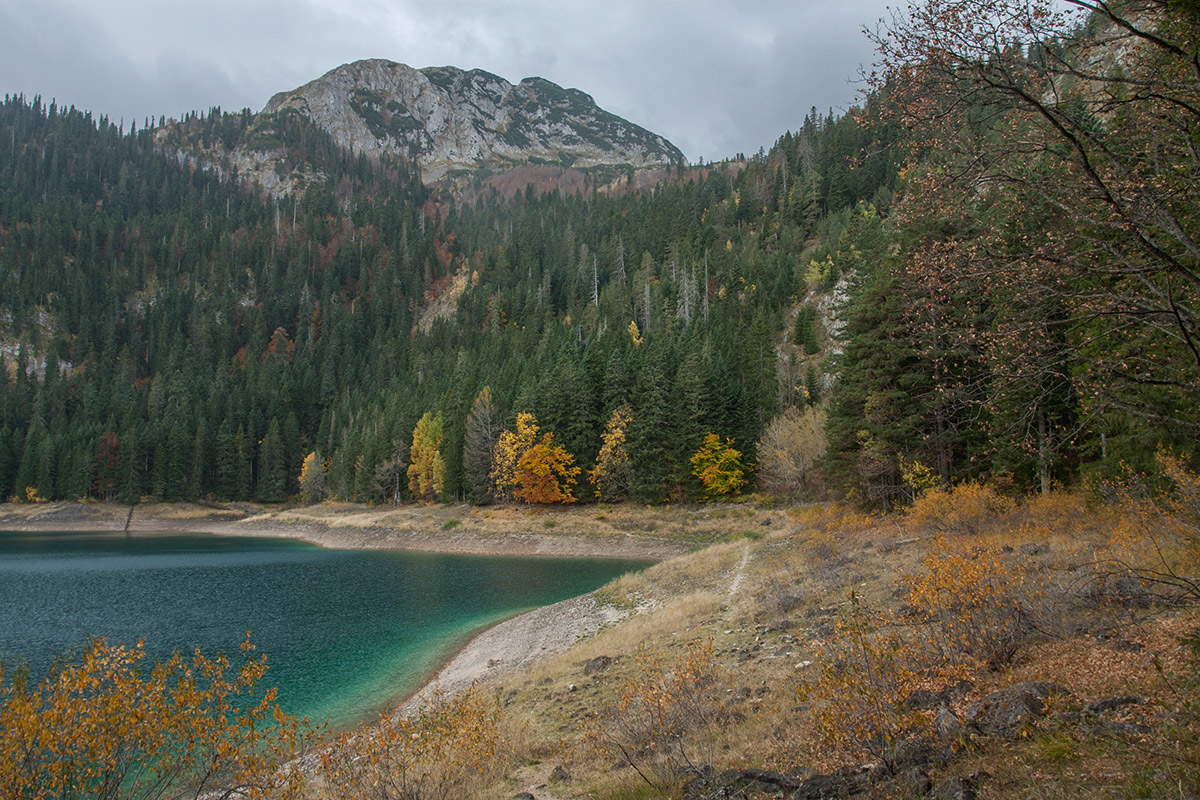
952 335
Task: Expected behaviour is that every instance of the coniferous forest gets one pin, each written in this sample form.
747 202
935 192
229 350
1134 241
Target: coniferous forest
982 271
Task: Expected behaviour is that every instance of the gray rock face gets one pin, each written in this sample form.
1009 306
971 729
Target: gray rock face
451 119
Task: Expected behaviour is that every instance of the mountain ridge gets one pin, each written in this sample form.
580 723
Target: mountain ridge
450 119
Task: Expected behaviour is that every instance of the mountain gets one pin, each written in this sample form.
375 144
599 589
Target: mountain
452 119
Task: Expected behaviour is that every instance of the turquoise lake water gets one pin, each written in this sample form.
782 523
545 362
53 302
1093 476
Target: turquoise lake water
346 631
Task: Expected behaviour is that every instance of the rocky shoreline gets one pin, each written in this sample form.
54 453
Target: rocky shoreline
516 644
374 531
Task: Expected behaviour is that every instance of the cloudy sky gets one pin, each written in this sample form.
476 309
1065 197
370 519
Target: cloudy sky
716 77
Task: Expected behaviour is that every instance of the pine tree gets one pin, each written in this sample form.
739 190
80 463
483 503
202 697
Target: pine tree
482 432
272 470
650 432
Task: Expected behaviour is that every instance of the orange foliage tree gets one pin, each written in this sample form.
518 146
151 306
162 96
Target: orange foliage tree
104 727
508 451
546 473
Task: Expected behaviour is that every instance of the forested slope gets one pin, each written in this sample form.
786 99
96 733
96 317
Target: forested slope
172 333
987 271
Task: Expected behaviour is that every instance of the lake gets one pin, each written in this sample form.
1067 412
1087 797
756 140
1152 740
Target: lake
346 631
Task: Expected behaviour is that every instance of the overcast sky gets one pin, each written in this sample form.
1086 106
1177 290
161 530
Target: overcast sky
716 77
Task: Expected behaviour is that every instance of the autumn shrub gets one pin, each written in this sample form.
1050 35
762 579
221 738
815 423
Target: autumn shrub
965 508
448 748
866 668
789 449
828 518
664 721
1157 537
103 726
967 608
1065 515
979 603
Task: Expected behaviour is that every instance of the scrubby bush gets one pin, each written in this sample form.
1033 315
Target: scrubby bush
664 720
964 508
104 727
442 753
1157 538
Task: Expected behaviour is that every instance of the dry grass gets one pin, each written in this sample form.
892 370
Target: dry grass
795 590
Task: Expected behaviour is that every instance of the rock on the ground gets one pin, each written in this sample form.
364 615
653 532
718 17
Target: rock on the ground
917 752
597 665
1100 705
1004 713
947 725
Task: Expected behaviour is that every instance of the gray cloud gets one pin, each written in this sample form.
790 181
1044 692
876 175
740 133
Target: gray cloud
716 77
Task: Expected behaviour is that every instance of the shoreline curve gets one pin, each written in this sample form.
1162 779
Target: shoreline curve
494 652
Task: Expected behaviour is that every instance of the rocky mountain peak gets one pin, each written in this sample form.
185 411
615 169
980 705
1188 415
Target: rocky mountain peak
451 119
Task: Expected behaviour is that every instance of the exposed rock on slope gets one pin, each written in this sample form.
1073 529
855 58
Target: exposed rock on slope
454 119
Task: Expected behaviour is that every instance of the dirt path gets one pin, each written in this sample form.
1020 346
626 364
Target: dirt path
740 572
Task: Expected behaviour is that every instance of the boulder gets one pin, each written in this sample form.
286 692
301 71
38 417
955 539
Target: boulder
1100 705
916 781
947 725
844 782
1004 713
737 783
917 752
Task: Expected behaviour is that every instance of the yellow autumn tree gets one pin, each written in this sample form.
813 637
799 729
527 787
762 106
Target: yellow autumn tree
718 467
426 473
635 335
612 473
508 451
546 473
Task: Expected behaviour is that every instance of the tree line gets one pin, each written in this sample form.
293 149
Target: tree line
987 270
170 332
